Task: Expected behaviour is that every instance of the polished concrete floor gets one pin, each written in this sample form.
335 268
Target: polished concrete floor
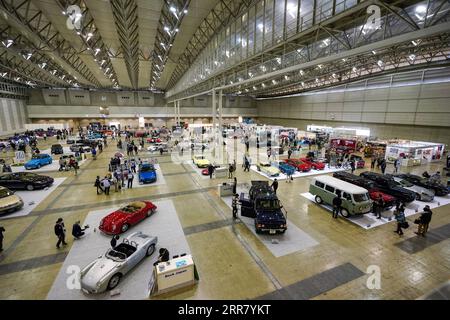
231 260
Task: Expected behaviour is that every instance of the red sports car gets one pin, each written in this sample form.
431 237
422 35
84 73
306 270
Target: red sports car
298 164
389 200
316 165
121 220
154 140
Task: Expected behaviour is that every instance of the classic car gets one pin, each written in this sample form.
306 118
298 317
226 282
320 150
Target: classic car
286 168
77 147
147 173
157 146
316 165
200 161
154 140
298 164
267 168
24 180
122 219
57 149
438 188
106 272
205 172
389 186
374 193
422 194
72 140
38 160
9 202
359 161
95 135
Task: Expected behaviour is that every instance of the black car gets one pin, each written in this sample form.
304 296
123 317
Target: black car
57 149
24 180
389 186
438 188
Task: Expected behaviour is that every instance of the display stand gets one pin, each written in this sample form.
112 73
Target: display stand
225 189
174 274
221 172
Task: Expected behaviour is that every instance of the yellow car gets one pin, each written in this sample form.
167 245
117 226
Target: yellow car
200 161
9 201
267 168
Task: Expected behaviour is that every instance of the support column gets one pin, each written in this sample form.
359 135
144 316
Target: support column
220 111
178 111
175 111
213 114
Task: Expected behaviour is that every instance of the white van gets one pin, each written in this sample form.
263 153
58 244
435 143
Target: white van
355 200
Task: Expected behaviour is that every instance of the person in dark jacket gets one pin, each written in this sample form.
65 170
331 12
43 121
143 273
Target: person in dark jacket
114 241
164 256
60 232
424 221
77 230
234 185
210 170
1 238
352 165
234 205
379 206
275 185
399 215
337 205
98 184
383 166
289 153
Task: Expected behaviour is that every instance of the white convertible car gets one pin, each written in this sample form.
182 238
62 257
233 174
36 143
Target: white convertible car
105 272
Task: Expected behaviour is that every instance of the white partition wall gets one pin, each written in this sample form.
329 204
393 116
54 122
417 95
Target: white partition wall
13 116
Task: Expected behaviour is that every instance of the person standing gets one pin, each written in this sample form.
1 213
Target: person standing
379 206
234 185
399 215
235 205
383 166
289 153
114 241
1 238
210 170
275 186
396 165
246 165
424 221
62 163
107 185
372 162
230 171
130 180
60 232
352 165
337 205
98 184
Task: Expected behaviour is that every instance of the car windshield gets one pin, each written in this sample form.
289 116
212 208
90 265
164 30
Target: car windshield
116 255
406 183
5 193
26 175
268 204
147 168
360 197
36 156
129 209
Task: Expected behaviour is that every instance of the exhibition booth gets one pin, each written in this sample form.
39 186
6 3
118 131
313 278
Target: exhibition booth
414 153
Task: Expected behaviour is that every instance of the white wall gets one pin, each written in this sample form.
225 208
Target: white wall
420 112
13 116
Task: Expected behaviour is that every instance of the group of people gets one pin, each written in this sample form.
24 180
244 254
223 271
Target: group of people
66 164
60 231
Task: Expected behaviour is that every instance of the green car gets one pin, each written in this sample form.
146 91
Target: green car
355 200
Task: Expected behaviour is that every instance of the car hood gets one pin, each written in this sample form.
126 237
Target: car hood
271 169
101 267
270 217
147 174
202 161
9 201
114 218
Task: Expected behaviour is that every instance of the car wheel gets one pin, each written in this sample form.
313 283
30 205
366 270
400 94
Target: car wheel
125 227
30 187
318 199
150 250
418 197
114 281
344 213
39 166
150 212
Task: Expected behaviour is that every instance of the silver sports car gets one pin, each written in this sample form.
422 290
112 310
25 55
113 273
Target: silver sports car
105 272
422 194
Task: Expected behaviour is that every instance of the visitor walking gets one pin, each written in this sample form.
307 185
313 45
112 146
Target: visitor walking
289 153
383 166
379 206
234 185
1 237
107 185
234 205
352 165
130 180
60 232
399 214
98 185
275 186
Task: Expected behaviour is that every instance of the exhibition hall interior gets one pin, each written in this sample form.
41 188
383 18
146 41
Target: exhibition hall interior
224 150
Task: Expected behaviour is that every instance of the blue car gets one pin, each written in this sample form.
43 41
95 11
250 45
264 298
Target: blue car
147 173
38 160
286 169
95 135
